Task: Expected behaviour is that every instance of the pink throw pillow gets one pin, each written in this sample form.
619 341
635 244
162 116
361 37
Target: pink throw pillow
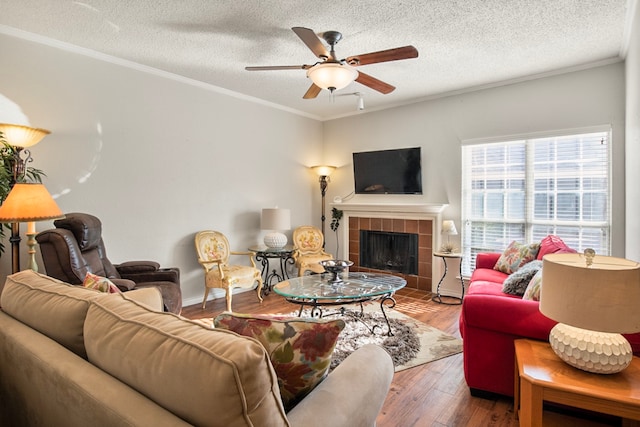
553 245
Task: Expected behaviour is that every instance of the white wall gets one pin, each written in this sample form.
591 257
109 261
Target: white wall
158 159
573 100
632 73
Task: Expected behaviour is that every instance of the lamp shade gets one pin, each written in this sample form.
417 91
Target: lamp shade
275 219
449 227
332 76
22 136
603 297
29 202
323 170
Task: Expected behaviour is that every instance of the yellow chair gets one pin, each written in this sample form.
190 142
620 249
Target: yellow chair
308 251
213 255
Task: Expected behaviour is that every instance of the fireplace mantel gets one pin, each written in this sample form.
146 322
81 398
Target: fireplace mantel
407 208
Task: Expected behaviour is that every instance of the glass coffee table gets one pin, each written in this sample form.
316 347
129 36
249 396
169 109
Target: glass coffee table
321 290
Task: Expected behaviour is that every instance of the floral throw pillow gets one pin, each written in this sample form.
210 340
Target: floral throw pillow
533 288
99 283
515 256
299 348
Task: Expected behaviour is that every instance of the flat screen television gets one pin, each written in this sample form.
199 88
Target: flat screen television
397 171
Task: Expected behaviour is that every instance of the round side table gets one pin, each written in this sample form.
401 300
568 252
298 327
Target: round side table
263 254
446 299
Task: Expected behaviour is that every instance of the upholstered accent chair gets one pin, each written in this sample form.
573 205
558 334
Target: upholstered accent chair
308 251
213 254
75 248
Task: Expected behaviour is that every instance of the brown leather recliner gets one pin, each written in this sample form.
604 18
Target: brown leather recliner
75 248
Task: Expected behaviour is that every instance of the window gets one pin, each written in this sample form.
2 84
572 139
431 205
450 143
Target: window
526 189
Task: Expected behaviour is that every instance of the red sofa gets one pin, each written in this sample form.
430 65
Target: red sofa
490 321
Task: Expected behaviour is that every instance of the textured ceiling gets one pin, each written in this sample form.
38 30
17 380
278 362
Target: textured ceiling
462 44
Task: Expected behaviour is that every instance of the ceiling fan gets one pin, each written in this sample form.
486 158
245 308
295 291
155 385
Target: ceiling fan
332 73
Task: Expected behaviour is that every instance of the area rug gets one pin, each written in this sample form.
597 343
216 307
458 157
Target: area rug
413 343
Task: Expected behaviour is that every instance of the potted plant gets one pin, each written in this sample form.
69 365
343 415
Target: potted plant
336 216
10 157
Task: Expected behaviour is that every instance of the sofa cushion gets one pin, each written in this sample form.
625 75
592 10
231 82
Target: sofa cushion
552 245
300 349
516 255
207 377
533 288
488 275
51 307
516 283
487 288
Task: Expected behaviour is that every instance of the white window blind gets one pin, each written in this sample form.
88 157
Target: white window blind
526 189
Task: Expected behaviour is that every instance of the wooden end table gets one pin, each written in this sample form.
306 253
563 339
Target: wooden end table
540 375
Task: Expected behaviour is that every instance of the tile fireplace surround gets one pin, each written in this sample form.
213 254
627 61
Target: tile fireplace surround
422 219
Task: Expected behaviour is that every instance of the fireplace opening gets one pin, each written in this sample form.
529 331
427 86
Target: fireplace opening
397 252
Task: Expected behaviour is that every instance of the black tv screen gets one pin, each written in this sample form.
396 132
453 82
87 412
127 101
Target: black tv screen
396 171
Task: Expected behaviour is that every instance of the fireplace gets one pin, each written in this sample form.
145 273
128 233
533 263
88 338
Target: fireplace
396 252
421 220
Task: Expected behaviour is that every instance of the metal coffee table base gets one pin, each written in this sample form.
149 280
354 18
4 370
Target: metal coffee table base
317 305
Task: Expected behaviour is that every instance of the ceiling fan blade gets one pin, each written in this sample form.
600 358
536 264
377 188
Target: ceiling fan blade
278 67
312 92
374 83
405 52
312 41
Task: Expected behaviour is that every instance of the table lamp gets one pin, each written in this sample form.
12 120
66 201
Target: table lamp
594 299
275 220
448 228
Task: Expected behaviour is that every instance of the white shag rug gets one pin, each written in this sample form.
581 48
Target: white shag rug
413 343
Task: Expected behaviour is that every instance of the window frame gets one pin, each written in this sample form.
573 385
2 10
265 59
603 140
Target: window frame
529 222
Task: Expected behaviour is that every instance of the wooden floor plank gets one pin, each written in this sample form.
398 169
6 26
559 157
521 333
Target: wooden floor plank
434 394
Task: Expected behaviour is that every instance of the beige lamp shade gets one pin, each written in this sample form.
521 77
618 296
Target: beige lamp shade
22 136
323 170
603 297
332 76
275 219
29 202
449 227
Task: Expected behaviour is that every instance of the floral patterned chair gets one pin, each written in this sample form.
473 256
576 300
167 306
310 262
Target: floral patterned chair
308 251
213 254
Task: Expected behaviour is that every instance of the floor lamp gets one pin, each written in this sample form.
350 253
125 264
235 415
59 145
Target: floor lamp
19 137
323 173
27 202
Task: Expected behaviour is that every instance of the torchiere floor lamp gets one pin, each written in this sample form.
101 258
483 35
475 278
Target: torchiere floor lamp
323 172
19 137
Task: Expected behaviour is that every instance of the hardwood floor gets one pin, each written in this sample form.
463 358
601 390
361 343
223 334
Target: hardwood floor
434 394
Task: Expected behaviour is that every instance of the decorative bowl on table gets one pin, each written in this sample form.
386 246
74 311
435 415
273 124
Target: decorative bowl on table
335 267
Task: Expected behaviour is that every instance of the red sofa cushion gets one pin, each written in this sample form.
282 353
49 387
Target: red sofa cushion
487 259
488 275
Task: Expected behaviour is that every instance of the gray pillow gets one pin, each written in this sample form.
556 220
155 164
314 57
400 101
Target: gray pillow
517 282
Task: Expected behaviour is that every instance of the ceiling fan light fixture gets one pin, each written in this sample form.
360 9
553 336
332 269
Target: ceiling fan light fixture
332 76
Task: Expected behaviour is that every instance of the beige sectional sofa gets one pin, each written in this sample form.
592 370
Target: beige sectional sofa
71 356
